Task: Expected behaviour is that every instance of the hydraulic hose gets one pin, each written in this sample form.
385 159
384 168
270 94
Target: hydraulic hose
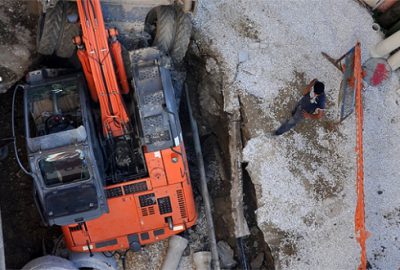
13 130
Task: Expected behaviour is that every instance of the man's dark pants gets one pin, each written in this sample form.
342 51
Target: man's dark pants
297 117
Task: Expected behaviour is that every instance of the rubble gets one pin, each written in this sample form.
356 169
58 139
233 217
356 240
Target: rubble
304 180
226 254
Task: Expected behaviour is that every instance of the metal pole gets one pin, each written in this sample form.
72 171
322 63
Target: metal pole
204 189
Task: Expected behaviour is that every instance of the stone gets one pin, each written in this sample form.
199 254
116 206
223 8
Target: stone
226 254
257 261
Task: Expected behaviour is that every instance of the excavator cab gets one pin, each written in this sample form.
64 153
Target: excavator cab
61 144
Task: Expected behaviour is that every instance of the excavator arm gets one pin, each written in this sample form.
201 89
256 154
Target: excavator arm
96 57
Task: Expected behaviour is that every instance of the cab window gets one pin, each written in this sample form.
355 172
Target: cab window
63 168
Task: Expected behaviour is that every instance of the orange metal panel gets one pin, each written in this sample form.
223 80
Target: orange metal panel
127 217
155 168
174 165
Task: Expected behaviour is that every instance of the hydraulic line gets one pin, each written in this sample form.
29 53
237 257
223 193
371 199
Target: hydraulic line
13 131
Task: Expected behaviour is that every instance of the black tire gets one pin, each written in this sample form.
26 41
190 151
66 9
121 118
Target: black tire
150 24
182 36
49 29
160 24
69 30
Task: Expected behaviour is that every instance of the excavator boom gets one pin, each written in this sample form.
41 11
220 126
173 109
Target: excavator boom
95 38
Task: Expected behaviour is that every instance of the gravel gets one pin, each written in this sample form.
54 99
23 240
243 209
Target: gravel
305 179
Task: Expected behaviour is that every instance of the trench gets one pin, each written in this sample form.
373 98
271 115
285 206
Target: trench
207 99
27 238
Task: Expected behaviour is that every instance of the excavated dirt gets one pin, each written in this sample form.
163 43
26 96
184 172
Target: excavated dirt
18 21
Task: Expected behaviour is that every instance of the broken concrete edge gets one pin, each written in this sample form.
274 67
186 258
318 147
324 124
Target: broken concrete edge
235 149
2 258
232 108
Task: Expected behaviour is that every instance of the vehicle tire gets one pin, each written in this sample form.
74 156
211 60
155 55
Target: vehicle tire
160 24
49 29
182 36
66 48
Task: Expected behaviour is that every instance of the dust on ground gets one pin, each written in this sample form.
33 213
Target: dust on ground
305 179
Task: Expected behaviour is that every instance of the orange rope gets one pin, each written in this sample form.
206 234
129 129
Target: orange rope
360 230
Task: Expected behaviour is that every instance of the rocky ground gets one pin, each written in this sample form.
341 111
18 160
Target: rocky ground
305 180
18 21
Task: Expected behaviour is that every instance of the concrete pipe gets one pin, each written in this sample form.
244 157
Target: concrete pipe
386 46
373 3
386 5
96 261
390 17
176 246
394 61
50 263
202 260
393 29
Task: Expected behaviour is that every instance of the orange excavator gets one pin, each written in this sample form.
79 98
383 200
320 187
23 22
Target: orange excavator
130 143
143 208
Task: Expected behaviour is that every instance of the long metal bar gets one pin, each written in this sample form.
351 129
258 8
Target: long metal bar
204 189
360 229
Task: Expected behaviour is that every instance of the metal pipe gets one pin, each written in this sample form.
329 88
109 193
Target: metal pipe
204 189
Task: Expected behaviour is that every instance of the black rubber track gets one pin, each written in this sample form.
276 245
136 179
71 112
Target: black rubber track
65 46
182 36
49 29
165 28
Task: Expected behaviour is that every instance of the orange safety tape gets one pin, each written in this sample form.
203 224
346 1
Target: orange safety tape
360 230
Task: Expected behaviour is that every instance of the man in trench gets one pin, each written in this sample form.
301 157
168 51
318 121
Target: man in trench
310 106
